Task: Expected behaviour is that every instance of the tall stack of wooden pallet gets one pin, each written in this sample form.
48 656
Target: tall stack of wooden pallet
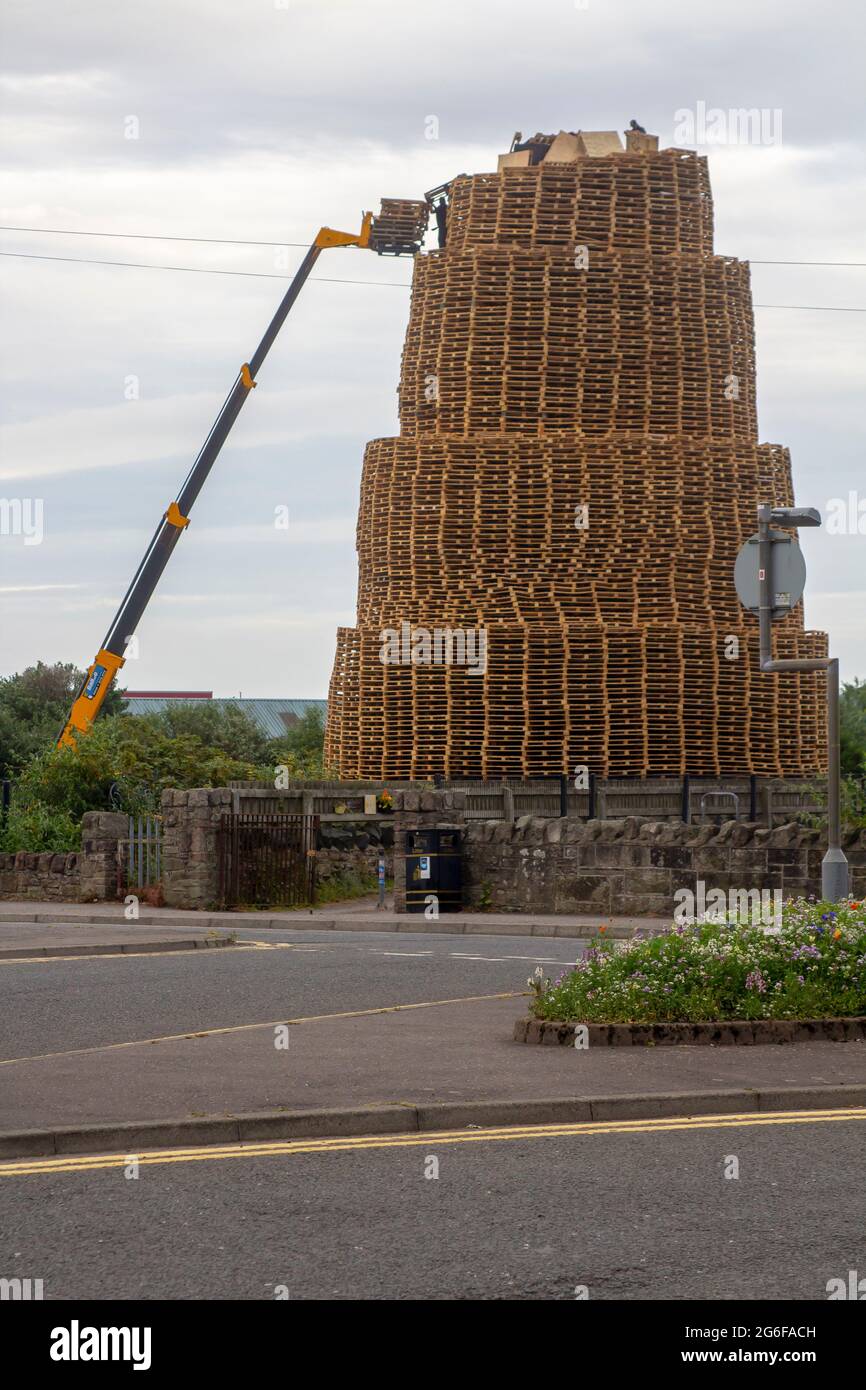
577 467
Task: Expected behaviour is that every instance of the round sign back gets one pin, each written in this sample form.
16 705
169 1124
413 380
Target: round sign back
787 576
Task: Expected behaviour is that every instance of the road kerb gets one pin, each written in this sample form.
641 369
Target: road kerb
409 1117
107 948
408 925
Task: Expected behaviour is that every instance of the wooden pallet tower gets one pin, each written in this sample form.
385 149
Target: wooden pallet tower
577 467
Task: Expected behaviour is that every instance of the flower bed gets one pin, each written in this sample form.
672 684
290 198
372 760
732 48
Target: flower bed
813 966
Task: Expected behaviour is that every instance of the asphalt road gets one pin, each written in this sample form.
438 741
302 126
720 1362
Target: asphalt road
56 1004
629 1215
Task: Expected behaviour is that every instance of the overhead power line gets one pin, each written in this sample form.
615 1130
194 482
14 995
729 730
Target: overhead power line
337 280
238 241
200 270
152 236
849 264
826 308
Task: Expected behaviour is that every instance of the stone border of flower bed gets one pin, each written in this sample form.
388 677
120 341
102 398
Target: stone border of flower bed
731 1033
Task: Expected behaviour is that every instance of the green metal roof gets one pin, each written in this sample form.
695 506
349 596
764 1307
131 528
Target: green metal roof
273 716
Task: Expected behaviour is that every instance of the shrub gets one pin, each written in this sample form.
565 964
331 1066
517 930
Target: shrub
124 764
36 827
852 799
132 756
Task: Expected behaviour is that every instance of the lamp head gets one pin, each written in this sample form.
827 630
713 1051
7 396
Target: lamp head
790 516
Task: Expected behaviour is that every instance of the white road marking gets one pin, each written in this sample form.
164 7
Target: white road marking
539 960
441 954
545 960
460 955
403 953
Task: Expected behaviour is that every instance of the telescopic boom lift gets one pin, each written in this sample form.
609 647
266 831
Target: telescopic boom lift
398 230
175 520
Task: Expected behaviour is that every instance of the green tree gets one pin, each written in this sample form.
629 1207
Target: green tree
301 748
127 763
34 705
852 711
218 726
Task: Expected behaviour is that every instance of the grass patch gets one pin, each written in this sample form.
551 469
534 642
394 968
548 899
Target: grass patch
341 888
812 966
331 890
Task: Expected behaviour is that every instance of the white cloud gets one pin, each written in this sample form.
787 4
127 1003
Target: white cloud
136 432
34 588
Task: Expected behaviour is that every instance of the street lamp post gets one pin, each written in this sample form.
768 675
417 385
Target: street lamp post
780 584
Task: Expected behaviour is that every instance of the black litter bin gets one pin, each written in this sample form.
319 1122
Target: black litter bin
434 870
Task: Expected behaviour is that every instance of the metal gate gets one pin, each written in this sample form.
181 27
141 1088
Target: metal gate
267 861
139 856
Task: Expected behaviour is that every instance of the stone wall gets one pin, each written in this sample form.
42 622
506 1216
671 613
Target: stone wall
348 854
347 857
190 862
87 876
609 867
43 877
100 832
633 866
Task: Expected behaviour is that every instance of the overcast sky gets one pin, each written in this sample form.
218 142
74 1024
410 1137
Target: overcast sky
260 121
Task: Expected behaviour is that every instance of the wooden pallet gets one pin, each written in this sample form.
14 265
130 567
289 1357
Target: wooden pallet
399 227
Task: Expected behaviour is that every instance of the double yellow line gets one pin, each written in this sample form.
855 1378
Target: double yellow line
431 1140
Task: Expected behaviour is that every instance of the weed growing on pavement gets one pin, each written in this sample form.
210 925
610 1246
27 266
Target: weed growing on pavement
813 966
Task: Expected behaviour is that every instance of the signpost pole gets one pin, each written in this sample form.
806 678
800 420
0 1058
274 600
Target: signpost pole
381 876
834 866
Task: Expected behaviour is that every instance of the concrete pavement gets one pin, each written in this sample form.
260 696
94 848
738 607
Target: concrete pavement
54 1006
19 940
352 915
